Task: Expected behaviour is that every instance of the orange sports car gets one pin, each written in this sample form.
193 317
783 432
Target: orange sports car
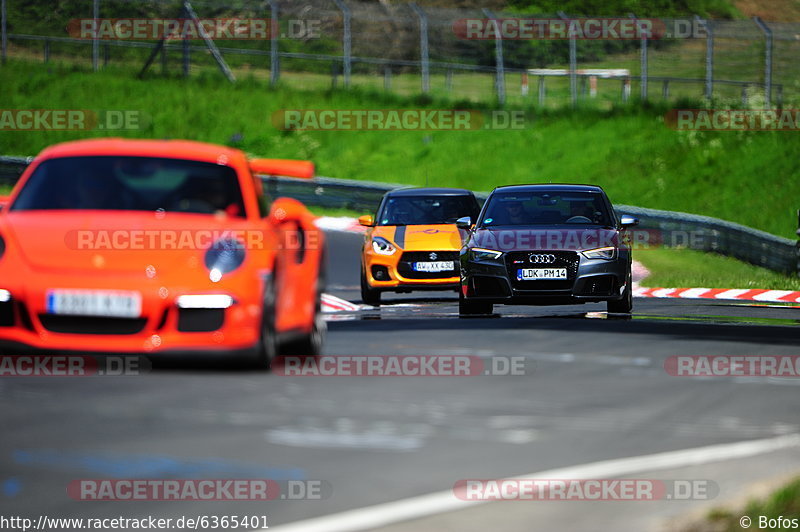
158 247
413 243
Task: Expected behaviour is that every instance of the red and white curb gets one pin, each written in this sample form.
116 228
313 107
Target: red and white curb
735 294
340 223
336 304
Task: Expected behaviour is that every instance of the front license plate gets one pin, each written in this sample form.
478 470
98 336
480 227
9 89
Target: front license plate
533 274
112 304
435 266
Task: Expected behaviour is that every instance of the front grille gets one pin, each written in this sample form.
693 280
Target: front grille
406 265
91 324
7 314
200 319
600 285
563 259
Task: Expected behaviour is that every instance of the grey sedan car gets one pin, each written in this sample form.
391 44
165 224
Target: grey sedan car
546 244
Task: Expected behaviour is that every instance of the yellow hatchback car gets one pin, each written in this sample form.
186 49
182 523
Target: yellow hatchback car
413 243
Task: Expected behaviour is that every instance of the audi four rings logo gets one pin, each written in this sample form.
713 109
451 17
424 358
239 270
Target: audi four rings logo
433 256
542 259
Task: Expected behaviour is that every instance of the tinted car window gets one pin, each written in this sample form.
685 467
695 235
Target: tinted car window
546 208
132 183
424 210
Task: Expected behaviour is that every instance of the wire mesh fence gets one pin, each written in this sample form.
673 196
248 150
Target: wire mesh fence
410 49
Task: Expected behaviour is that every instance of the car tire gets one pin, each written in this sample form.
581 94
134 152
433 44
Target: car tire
369 296
473 308
624 305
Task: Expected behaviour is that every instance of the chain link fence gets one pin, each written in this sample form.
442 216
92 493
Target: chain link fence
409 49
669 229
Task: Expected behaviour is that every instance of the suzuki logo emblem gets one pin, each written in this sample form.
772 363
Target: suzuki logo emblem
546 258
433 256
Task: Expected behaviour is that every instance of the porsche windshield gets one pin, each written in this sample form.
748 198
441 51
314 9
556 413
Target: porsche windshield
546 208
132 184
426 210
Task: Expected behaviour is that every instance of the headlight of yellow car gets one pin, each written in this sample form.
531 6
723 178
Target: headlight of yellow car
381 246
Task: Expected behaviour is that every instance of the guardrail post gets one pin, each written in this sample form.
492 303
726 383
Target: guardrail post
3 30
47 51
187 57
95 35
424 60
665 90
767 60
573 63
542 91
387 78
744 94
709 90
643 58
448 80
346 41
500 73
274 34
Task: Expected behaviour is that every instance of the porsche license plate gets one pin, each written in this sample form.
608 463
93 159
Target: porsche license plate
112 304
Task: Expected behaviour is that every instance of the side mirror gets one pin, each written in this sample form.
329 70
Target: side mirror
366 220
628 221
464 223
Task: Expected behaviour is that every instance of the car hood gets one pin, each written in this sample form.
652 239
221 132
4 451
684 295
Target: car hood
103 241
544 238
421 237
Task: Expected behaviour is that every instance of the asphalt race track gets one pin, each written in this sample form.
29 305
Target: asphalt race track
594 388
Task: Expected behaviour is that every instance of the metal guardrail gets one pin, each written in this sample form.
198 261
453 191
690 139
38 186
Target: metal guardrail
662 228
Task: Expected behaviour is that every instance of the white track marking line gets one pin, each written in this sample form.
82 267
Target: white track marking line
389 513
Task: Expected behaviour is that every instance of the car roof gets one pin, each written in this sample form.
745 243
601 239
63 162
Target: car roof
173 149
429 191
552 187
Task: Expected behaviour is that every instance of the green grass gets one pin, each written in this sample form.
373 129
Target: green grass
750 178
679 268
331 211
783 503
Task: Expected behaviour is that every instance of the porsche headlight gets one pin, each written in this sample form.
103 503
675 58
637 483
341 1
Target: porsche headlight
607 253
224 256
381 246
485 254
